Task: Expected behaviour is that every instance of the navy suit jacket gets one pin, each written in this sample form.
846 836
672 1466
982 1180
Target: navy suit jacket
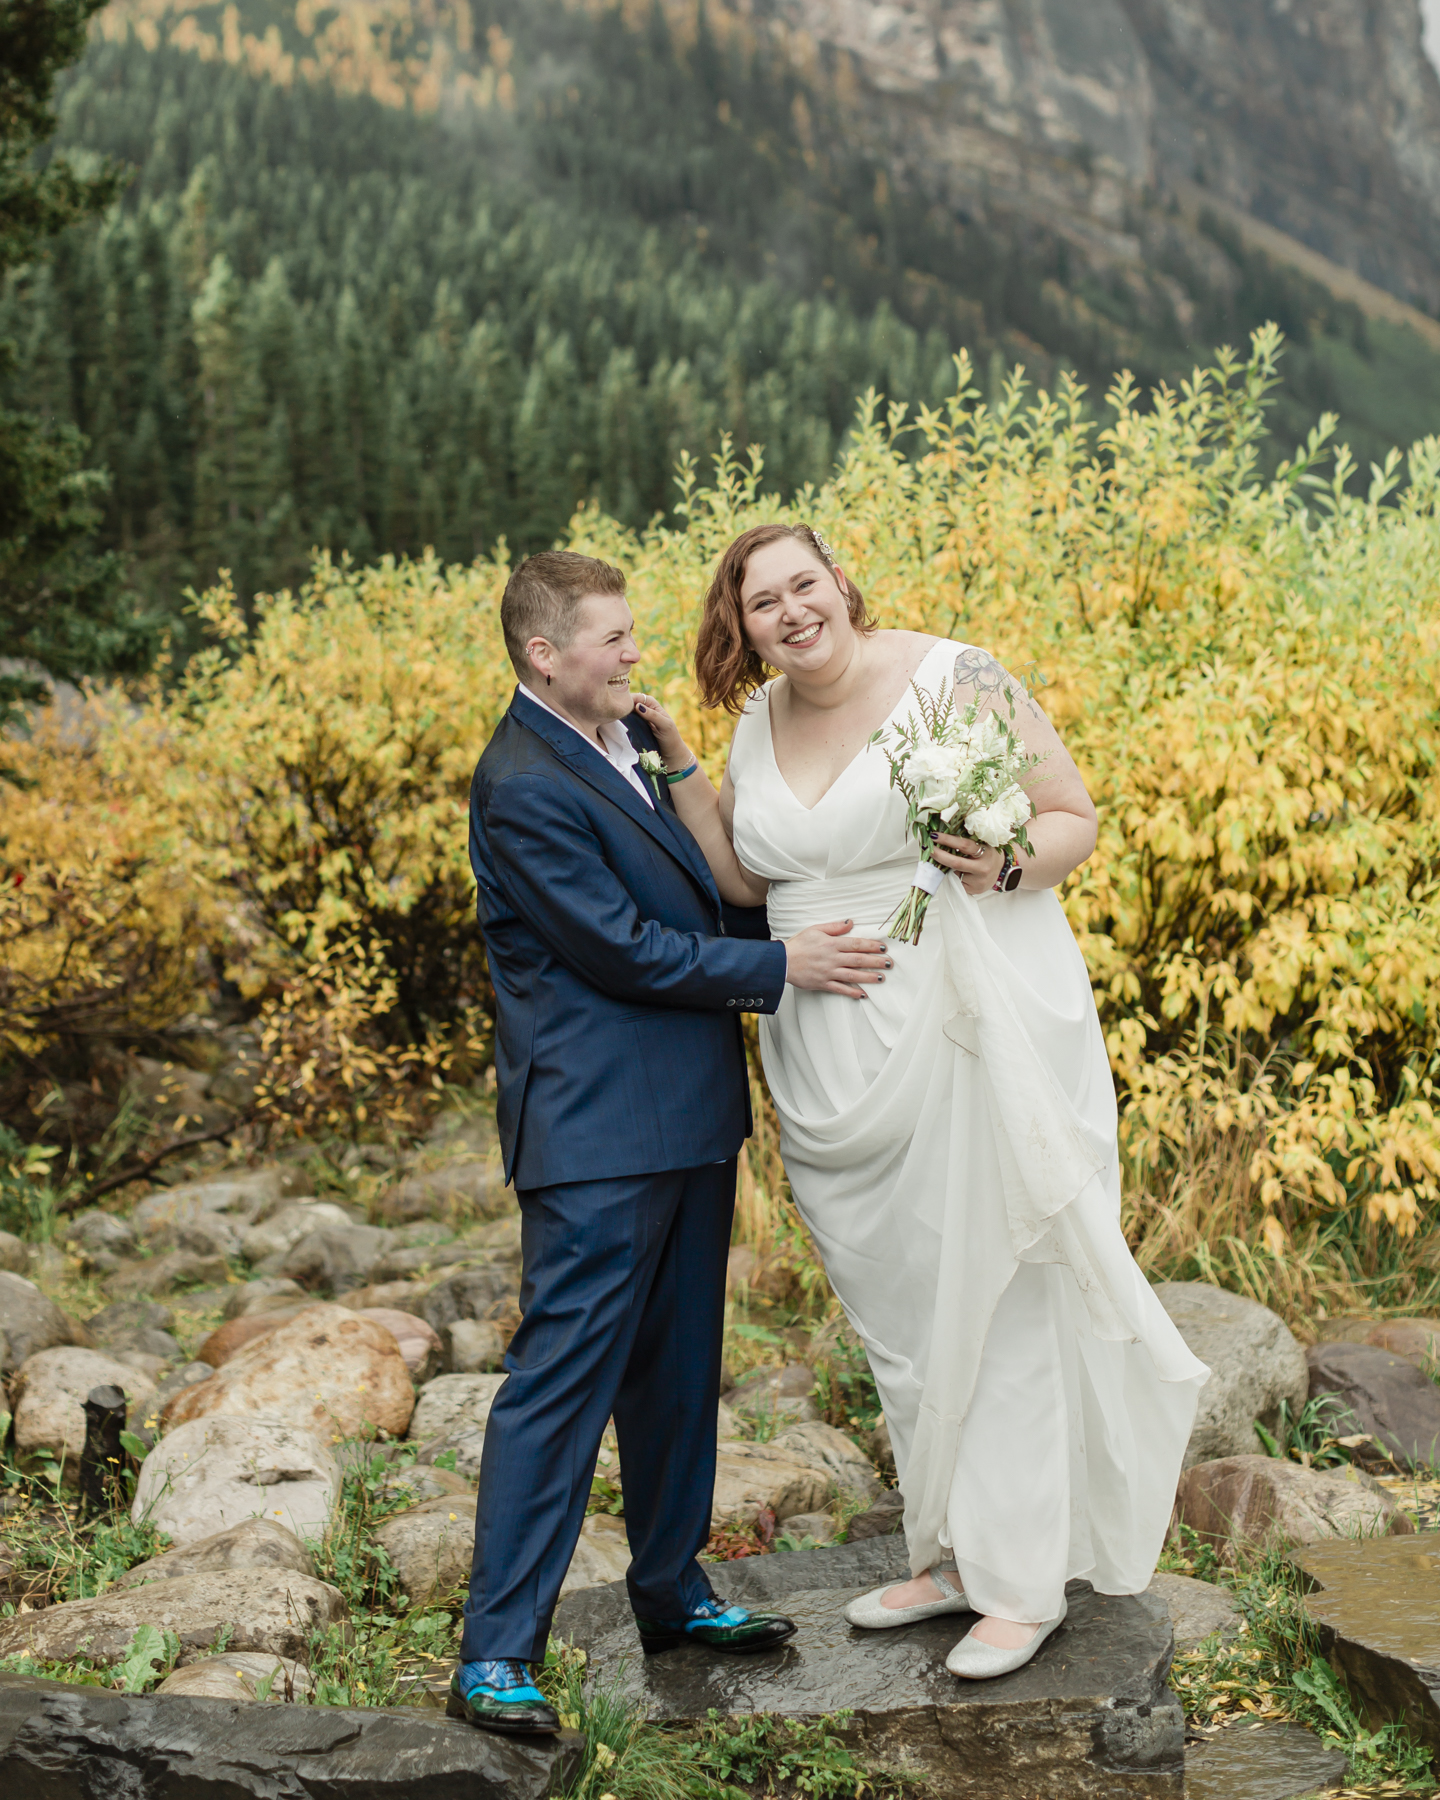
618 991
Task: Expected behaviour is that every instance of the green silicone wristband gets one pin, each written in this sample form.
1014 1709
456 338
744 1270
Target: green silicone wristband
684 773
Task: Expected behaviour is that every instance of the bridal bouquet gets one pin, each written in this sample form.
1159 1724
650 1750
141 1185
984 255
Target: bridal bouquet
958 773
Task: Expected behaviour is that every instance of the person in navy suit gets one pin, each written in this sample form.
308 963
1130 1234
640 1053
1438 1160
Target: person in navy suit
622 1102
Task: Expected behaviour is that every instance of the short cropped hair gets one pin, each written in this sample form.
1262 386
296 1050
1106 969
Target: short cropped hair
727 665
542 599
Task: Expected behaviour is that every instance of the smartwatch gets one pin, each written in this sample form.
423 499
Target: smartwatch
1010 874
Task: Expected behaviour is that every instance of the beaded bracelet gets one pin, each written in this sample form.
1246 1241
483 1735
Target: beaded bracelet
672 779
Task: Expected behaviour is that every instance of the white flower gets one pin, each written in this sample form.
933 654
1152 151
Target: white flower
997 823
652 762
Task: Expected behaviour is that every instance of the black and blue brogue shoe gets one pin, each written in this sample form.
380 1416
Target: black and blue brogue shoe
717 1627
500 1696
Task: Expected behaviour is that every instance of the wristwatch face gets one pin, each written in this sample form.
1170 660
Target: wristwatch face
1011 880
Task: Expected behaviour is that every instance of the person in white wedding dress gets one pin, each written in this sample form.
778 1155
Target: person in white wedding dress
949 1127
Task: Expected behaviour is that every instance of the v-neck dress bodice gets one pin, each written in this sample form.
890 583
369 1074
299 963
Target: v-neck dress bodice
951 1144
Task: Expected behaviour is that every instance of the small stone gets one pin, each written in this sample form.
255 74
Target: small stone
1251 1760
235 1334
472 1294
417 1343
394 1296
185 1376
451 1401
728 1423
29 1322
835 1455
465 1445
602 1555
1256 1500
123 1324
164 1274
48 1399
750 1478
335 1260
268 1610
883 1519
809 1529
153 1368
422 1259
254 1544
266 1293
462 1190
472 1346
1378 1613
278 1234
240 1195
1254 1363
432 1547
325 1370
207 1476
241 1675
1198 1609
1380 1393
777 1394
417 1483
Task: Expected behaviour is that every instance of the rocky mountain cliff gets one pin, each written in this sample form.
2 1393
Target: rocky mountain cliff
1319 117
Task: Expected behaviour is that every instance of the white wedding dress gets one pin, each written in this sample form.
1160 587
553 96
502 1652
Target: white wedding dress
951 1144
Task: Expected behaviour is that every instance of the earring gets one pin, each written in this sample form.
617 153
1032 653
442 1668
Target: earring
547 681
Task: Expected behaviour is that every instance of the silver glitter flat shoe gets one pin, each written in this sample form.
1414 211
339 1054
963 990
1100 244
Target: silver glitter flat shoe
974 1661
868 1612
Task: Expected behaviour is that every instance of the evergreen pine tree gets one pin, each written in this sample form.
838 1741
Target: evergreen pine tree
60 604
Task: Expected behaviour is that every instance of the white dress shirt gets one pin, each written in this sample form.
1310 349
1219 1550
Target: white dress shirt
618 751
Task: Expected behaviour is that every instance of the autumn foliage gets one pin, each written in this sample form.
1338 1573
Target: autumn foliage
1245 667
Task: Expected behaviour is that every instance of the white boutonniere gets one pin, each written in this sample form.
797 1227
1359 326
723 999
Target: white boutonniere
653 763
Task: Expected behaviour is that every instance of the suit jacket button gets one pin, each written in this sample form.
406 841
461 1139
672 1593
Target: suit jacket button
729 1002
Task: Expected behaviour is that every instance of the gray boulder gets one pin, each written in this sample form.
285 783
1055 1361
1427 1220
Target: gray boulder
240 1675
453 1401
165 1274
472 1294
823 1447
217 1472
883 1519
472 1347
461 1190
1254 1364
1383 1394
335 1260
101 1240
30 1322
14 1253
48 1398
255 1544
1198 1609
89 1743
271 1237
267 1293
237 1198
779 1394
272 1610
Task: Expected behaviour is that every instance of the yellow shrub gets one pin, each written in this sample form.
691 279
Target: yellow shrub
101 919
1246 669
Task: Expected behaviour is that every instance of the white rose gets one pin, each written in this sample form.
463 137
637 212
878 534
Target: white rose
997 823
930 763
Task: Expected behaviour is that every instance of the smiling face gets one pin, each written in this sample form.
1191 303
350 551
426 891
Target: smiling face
794 611
589 676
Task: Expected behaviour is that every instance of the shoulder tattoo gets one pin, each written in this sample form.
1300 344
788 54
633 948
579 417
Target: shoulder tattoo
992 683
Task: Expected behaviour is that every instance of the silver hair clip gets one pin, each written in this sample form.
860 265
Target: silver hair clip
823 547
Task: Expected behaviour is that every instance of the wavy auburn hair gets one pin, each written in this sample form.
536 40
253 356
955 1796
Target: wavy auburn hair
727 665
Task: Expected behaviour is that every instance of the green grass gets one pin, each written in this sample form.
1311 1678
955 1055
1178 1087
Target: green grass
1274 1669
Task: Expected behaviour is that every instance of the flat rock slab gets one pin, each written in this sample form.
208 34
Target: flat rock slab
88 1743
1263 1762
1090 1716
1377 1604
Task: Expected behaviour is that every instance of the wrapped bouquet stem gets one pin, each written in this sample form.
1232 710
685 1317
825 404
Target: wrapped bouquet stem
959 774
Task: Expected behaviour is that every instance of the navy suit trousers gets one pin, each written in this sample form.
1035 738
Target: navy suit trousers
624 1304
